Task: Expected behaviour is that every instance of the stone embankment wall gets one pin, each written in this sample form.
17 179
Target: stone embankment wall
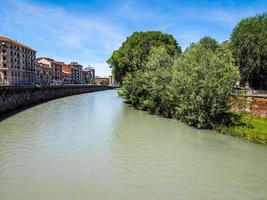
256 105
14 97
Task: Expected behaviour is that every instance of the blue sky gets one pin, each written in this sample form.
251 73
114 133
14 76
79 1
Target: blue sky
88 31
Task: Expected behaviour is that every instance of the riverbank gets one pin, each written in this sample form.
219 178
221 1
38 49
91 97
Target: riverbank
15 97
246 126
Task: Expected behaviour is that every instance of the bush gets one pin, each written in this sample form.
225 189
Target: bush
248 126
202 83
148 89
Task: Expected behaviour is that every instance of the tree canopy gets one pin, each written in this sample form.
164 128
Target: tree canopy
249 47
209 43
194 87
202 83
133 54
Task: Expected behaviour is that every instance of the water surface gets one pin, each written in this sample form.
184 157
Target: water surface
93 146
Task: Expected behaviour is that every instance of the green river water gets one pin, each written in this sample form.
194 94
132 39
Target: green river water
94 146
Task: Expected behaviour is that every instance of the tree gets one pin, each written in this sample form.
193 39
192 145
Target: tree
90 81
104 82
209 43
148 89
133 54
202 83
249 46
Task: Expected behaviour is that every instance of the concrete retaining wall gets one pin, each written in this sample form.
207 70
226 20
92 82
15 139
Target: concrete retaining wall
14 97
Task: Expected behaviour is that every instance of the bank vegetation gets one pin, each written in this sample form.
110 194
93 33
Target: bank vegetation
195 85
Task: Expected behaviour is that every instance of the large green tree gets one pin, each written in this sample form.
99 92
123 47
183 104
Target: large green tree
194 87
133 54
249 47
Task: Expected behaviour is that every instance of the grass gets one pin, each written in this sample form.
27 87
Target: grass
247 126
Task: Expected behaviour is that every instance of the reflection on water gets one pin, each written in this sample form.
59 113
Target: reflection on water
93 146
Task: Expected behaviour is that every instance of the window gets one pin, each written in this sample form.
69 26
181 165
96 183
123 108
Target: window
4 58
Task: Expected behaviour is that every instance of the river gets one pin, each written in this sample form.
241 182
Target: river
94 146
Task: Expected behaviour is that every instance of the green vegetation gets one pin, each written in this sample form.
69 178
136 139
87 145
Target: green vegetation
246 126
202 83
195 86
209 43
104 82
133 53
249 47
90 81
148 88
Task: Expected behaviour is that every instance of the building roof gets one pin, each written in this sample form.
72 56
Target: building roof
46 58
5 39
88 68
76 64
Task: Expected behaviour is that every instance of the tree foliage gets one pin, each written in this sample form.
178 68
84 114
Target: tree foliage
149 88
202 83
194 87
209 43
133 54
249 47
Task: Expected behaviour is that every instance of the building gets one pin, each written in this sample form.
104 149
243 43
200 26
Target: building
76 72
89 74
43 73
101 80
56 69
66 73
17 63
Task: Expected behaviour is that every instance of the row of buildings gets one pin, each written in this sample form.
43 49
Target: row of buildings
19 66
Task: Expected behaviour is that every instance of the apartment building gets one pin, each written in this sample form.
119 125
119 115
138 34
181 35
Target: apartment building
56 69
76 72
88 74
66 73
43 73
17 63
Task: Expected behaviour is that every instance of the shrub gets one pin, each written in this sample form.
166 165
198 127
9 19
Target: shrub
202 83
